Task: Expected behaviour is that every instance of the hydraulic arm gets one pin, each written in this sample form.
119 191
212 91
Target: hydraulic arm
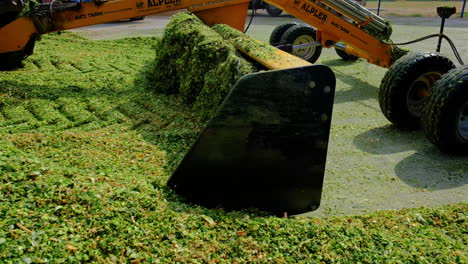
58 16
340 23
346 25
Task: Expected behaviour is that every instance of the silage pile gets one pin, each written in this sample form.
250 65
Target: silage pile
196 62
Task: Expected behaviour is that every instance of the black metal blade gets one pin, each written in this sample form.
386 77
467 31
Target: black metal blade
266 146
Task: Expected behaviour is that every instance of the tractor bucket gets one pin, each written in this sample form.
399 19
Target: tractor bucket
266 146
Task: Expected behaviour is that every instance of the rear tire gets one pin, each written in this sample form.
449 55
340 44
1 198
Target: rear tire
345 56
406 86
278 32
137 18
445 119
10 10
302 34
273 10
13 60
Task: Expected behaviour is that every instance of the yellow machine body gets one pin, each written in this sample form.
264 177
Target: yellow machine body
331 27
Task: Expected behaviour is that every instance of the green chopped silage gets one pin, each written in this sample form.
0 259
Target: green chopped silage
196 62
396 53
245 42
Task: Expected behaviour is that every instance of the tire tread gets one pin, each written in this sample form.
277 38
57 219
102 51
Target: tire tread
399 77
278 32
438 119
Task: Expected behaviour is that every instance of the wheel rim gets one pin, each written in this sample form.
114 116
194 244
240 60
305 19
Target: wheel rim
419 91
307 52
463 121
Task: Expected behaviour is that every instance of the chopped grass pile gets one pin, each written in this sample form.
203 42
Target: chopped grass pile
196 62
245 42
85 153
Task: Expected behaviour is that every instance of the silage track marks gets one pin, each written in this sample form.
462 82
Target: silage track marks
63 113
72 83
26 108
87 85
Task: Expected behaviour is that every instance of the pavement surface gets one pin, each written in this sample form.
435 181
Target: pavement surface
154 25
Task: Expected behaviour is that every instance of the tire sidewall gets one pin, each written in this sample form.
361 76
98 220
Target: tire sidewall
345 56
273 10
278 32
441 113
137 18
10 10
297 31
399 79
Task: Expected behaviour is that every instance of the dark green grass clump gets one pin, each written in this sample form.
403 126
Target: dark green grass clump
245 42
196 62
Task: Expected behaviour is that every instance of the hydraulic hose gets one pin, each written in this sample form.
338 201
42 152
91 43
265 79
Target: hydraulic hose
452 45
251 18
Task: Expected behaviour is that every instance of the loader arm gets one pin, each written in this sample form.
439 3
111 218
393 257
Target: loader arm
47 18
359 32
339 23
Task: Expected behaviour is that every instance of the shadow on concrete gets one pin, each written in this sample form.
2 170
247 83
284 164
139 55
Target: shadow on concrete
427 168
360 90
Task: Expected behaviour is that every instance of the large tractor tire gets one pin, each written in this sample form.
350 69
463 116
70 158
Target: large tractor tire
137 18
302 34
10 10
406 85
12 60
445 119
278 32
273 10
345 56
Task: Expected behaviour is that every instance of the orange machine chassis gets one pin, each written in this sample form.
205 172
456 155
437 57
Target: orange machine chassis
331 28
16 34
